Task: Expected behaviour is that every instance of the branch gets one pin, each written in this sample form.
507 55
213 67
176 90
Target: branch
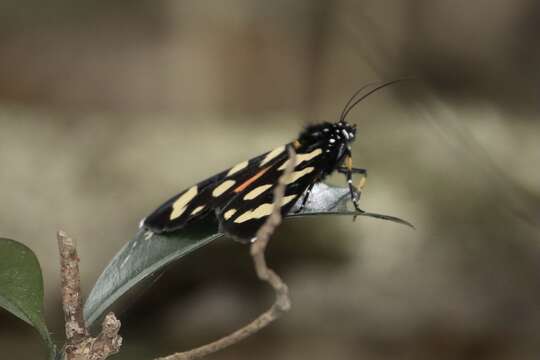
79 345
282 303
71 290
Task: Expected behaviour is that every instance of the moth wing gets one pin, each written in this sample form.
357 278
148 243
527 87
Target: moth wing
204 197
245 213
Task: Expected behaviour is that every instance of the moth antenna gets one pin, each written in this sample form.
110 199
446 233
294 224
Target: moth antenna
341 117
357 101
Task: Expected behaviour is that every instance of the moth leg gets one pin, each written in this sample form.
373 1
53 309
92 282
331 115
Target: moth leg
345 170
363 172
348 170
305 199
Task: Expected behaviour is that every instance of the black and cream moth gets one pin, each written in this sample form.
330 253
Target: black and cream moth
241 197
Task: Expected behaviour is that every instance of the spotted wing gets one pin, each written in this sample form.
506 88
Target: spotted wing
244 214
210 194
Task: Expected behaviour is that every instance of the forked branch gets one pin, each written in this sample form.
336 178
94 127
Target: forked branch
79 344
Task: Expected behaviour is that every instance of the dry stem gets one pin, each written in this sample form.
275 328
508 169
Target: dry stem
71 289
79 344
282 303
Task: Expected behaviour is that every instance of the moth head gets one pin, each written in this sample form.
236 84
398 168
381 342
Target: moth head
346 130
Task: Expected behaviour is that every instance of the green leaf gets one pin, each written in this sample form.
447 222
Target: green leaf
144 256
139 259
21 286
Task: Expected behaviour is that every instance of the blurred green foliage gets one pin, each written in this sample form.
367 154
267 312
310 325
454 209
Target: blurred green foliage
21 287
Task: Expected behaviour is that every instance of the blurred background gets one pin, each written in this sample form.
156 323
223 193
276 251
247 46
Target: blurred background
109 108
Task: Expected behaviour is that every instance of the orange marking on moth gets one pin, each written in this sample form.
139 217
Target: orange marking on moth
296 144
251 180
348 163
362 183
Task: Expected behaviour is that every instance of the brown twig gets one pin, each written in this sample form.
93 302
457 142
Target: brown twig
71 289
282 303
79 344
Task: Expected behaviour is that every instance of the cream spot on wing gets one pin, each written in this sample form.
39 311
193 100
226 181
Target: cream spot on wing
272 154
221 188
287 199
227 215
197 210
259 212
236 168
300 158
298 174
179 206
257 191
262 210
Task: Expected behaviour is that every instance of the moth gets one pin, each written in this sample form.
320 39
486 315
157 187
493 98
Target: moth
241 197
